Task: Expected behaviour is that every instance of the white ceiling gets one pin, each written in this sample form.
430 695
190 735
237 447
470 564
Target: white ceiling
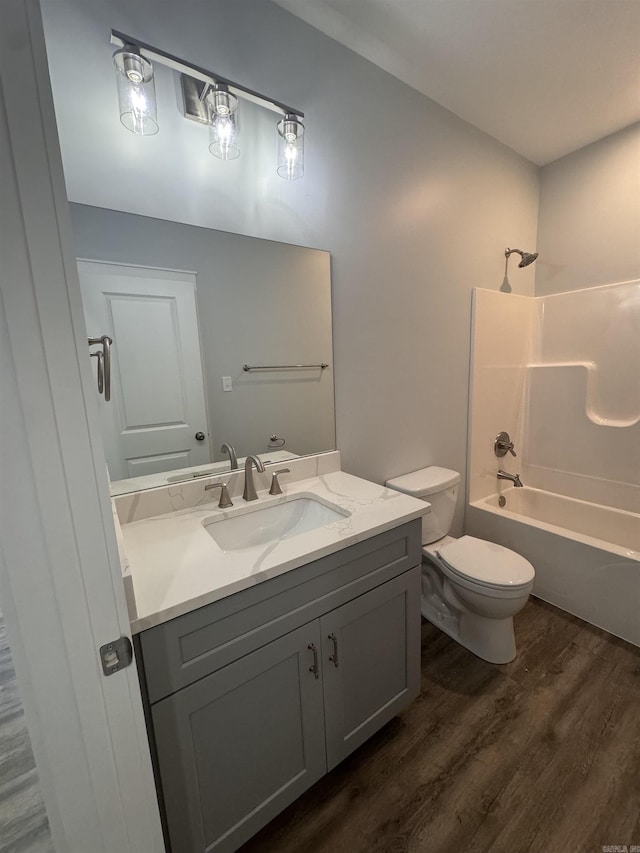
545 77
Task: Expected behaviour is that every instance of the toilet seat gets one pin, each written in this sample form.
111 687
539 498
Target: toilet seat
485 564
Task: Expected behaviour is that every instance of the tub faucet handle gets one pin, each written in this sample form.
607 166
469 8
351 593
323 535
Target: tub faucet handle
503 445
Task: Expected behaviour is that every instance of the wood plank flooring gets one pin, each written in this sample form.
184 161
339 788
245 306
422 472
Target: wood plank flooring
24 827
539 756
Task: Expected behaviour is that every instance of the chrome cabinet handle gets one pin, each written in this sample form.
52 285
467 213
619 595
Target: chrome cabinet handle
314 666
334 657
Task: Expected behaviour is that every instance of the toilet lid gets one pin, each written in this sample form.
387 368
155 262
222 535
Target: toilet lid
486 562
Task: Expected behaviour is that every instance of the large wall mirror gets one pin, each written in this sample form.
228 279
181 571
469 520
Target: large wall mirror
189 309
187 306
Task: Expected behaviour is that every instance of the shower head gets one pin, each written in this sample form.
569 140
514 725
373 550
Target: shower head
526 257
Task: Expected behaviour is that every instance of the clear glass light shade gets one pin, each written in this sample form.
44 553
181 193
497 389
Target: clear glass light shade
290 148
224 128
136 92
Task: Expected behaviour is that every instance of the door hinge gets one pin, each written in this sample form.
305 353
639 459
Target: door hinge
116 655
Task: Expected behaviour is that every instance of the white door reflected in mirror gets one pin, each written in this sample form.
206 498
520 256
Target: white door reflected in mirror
253 301
156 420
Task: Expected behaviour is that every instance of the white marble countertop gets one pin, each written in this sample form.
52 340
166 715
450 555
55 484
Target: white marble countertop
175 566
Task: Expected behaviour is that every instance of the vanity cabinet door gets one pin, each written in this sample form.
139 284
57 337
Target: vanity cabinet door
238 746
376 639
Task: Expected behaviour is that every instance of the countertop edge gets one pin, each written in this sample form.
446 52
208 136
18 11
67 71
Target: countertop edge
143 623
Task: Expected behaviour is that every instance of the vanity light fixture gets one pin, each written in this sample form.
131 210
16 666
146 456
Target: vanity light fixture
290 148
223 130
136 91
208 99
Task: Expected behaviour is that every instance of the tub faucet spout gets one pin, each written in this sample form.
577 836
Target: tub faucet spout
514 478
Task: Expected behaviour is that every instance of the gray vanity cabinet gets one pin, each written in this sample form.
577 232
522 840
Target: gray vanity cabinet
371 663
241 744
251 699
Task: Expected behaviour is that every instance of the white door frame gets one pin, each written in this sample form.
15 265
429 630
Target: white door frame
60 579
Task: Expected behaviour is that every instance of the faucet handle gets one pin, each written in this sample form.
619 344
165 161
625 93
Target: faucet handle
225 501
503 445
275 483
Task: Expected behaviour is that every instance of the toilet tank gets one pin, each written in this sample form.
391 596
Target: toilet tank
437 486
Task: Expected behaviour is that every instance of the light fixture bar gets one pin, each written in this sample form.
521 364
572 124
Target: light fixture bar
196 71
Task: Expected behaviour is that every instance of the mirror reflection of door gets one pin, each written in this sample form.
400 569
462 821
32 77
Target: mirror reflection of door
157 405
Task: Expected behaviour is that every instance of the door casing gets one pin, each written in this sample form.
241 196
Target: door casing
60 577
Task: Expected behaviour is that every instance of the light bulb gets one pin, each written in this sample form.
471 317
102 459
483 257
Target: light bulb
133 67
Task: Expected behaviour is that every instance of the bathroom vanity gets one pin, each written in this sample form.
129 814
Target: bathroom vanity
255 694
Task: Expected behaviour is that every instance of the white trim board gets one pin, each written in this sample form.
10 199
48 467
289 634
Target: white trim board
135 266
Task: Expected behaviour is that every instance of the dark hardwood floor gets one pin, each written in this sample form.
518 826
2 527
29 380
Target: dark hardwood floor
539 756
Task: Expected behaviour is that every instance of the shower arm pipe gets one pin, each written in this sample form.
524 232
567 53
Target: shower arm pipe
152 53
508 252
527 257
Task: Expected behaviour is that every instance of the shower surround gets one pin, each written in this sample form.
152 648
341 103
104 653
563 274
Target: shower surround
561 374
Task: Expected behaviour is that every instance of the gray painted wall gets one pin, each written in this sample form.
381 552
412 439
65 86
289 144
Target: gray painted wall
415 205
589 221
259 302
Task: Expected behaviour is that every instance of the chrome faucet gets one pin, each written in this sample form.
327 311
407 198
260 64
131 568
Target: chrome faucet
230 449
249 493
514 478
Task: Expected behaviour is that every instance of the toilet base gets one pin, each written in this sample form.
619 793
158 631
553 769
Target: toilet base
492 640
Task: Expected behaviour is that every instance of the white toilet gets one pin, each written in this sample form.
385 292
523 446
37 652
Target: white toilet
471 589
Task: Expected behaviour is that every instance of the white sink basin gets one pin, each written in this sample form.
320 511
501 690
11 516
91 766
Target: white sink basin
260 526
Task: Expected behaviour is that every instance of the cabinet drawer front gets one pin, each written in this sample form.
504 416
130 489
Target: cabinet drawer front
190 647
371 662
237 747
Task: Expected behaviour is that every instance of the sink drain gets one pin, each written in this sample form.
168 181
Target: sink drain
502 501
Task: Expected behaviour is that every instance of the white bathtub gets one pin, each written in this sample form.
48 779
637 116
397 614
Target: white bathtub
586 556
